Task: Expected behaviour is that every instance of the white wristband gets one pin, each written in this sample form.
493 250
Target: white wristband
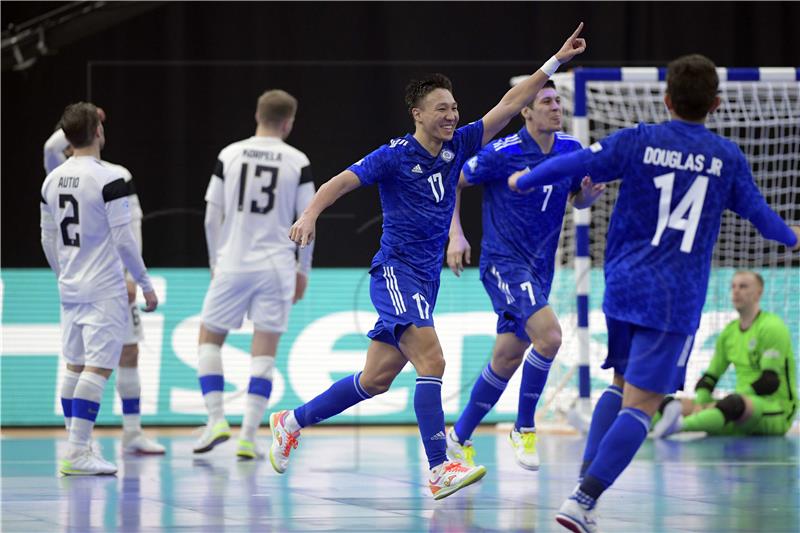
550 66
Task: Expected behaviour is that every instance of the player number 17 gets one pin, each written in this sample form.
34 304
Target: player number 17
692 202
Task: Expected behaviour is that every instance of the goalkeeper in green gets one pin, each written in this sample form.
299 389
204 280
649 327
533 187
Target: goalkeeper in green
759 346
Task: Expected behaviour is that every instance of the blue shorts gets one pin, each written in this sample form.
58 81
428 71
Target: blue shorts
401 299
516 295
650 359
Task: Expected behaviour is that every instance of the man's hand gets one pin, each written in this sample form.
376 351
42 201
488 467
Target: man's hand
796 230
303 230
151 302
131 286
300 284
514 178
590 191
458 253
573 46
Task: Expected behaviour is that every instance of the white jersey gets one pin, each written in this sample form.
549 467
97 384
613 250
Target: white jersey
256 183
83 199
54 157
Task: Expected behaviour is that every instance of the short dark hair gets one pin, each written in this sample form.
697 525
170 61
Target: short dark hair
80 122
416 90
549 84
275 106
692 84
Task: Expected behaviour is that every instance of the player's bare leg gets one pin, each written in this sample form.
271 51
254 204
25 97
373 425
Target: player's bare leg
262 367
210 373
421 347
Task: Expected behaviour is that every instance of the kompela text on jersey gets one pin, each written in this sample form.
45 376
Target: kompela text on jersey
267 156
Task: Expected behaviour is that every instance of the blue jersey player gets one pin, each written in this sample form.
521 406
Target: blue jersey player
416 176
677 179
520 237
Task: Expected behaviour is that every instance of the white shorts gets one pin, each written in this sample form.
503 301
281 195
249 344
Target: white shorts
92 333
265 296
134 333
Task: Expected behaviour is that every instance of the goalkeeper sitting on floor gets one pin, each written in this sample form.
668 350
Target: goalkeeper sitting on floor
759 346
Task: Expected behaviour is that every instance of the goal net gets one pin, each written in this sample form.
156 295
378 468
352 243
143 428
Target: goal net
760 112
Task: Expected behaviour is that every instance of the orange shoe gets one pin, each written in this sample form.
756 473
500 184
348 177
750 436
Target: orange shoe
452 476
283 442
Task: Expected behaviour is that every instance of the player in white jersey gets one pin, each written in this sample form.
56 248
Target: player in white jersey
257 188
86 230
56 150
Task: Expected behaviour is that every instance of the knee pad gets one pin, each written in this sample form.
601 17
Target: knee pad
732 407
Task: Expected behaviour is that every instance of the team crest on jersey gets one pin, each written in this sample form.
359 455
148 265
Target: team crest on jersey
751 344
447 155
417 169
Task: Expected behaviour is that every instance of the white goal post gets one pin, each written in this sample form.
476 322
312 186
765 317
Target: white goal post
760 112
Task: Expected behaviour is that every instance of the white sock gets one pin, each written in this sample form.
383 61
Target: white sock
90 388
67 392
290 422
261 368
129 389
210 364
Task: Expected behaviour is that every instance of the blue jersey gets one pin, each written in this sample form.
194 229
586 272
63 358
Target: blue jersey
417 193
677 179
521 229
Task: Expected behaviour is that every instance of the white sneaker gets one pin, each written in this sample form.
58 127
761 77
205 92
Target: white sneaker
213 434
283 442
85 463
248 450
670 422
524 444
577 518
452 476
137 442
463 453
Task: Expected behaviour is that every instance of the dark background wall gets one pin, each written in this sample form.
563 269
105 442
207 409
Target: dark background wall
180 81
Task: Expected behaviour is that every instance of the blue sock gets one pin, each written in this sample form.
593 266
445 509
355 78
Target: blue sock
534 376
343 394
487 390
430 417
605 412
616 451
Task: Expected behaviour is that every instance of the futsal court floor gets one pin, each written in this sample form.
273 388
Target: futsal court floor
372 479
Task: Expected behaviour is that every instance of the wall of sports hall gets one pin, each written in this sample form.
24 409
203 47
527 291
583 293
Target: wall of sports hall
179 81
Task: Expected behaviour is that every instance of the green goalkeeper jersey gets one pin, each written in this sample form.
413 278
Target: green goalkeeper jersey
765 345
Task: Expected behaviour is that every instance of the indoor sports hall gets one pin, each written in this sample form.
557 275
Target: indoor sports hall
176 419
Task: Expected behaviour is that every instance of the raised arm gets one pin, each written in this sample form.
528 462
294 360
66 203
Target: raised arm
303 231
524 93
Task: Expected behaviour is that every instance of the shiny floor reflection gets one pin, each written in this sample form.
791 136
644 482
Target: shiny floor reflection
372 480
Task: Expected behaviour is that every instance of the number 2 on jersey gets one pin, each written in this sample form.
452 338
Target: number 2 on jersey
268 190
692 202
63 200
